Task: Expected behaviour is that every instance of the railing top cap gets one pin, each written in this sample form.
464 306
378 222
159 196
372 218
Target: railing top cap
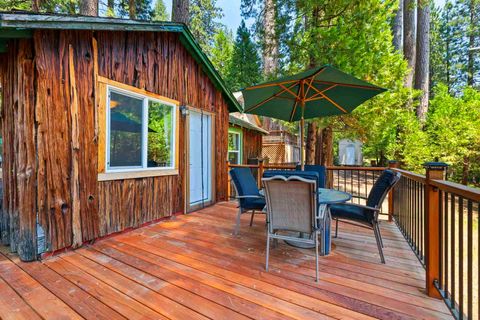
435 165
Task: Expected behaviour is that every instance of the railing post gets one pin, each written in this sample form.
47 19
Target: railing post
391 164
229 192
260 173
434 171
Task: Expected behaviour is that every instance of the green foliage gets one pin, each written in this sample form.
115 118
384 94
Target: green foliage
204 15
451 27
453 125
160 12
244 69
222 53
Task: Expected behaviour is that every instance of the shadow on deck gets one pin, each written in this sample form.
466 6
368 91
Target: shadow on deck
192 267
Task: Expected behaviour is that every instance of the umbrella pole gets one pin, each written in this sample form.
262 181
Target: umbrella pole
302 138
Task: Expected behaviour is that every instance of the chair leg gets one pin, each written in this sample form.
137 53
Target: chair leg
379 245
237 224
267 253
380 235
336 228
251 218
316 256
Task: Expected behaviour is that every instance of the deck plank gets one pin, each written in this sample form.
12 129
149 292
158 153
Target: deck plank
192 266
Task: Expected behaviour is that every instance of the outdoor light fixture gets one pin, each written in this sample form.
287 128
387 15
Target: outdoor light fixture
183 111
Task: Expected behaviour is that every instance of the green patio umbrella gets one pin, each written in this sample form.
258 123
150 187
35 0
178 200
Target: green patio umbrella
319 92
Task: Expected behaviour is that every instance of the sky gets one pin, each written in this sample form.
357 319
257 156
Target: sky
231 11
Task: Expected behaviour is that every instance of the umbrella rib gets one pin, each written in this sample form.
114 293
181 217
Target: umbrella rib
349 85
295 105
266 85
268 99
311 81
319 92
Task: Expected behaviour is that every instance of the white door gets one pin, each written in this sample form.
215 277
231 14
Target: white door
200 154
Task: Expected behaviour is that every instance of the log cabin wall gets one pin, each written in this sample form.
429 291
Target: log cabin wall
51 139
252 144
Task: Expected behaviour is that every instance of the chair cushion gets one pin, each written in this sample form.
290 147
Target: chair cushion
351 212
254 204
311 175
379 190
247 186
321 170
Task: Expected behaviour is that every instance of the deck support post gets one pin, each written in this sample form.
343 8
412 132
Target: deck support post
260 173
391 164
434 171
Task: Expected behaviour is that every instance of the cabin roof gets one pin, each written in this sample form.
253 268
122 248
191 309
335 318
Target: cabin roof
243 120
14 25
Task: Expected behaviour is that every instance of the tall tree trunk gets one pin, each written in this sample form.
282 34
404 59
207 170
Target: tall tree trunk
319 146
398 27
111 8
270 50
89 8
311 143
409 39
180 11
465 170
471 42
422 66
132 9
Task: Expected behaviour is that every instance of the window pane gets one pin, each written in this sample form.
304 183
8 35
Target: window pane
160 135
125 130
233 141
233 157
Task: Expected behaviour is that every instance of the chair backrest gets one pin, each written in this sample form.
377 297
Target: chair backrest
291 203
288 173
382 186
244 182
322 173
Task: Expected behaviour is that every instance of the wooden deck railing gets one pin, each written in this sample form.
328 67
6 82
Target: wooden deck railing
439 219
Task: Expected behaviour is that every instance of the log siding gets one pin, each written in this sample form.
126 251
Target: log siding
50 131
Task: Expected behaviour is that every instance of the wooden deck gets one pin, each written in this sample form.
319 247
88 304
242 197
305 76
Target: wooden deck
192 267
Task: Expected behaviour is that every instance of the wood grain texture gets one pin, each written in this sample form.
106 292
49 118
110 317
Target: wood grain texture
193 267
252 144
49 82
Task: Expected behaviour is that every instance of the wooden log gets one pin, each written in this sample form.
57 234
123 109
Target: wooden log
75 185
25 158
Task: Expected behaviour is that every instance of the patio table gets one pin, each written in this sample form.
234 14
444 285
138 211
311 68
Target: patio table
326 197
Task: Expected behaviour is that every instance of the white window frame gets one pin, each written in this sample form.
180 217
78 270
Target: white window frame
240 142
145 106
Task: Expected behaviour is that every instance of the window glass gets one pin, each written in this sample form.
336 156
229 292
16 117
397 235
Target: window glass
160 135
142 132
126 114
234 147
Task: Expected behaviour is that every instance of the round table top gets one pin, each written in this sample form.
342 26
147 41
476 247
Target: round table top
330 196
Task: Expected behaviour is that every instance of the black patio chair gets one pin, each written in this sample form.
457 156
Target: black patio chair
368 214
247 193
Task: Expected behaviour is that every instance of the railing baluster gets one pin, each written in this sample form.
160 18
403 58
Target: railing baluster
460 256
452 251
470 259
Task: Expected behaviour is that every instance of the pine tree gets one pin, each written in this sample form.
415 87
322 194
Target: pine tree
245 66
160 12
203 23
222 53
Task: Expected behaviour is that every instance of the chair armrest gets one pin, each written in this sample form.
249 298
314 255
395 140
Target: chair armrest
365 207
250 197
359 197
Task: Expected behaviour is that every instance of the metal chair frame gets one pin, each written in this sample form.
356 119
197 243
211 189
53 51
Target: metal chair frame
374 224
242 210
273 233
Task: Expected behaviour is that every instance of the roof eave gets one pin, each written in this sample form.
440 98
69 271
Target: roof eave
26 22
